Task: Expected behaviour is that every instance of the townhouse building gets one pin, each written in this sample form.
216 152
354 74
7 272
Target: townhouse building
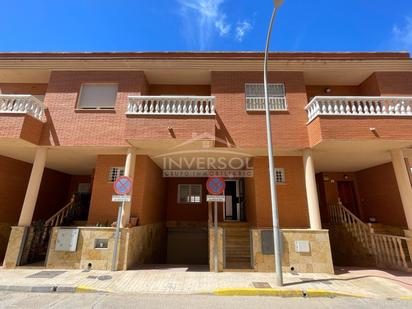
71 123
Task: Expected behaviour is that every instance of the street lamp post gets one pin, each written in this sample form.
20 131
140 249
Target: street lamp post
275 216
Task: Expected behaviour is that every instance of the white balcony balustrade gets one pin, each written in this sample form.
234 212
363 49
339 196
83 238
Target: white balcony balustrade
21 104
359 106
171 105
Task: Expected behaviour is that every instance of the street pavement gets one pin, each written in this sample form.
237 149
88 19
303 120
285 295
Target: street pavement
151 301
179 280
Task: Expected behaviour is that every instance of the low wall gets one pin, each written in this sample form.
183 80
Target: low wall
14 247
138 245
146 245
212 247
317 260
99 258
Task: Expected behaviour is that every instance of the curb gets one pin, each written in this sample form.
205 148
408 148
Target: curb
283 293
50 289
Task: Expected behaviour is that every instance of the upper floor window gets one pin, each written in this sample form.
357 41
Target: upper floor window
189 194
255 97
97 96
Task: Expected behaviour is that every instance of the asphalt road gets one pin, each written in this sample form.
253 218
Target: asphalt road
149 301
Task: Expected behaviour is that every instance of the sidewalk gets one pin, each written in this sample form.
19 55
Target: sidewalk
180 280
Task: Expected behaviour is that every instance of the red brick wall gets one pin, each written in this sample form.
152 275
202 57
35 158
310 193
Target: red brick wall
20 126
14 177
370 86
237 126
148 199
21 88
185 212
53 194
66 126
379 195
293 212
149 192
313 91
329 191
250 200
358 128
394 83
202 90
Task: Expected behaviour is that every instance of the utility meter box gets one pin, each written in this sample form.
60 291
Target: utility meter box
302 246
67 240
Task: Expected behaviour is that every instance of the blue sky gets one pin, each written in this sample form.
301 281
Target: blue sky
195 25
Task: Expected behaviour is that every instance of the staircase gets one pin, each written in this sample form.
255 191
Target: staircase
388 251
237 246
37 241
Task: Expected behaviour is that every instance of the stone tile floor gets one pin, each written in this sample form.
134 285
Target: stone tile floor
183 280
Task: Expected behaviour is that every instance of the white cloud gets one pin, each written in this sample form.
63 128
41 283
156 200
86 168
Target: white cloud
202 18
241 29
402 35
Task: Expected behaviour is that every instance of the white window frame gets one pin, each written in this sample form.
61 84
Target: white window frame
78 106
283 175
256 101
119 172
190 193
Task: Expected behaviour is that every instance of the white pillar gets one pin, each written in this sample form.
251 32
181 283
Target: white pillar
30 199
128 171
311 190
404 184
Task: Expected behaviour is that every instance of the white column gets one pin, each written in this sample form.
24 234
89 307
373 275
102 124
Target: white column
404 184
128 171
30 199
311 190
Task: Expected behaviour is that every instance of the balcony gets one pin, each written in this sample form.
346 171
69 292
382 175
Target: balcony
171 105
359 107
21 104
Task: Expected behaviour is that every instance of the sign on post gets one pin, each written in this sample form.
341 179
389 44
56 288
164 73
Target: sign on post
121 198
216 188
215 185
215 198
122 186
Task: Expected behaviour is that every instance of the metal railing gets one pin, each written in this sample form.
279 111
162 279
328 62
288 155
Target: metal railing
258 104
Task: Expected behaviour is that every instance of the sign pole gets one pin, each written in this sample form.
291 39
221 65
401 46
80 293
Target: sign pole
117 236
216 231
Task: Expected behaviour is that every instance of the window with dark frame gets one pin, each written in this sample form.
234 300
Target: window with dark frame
189 194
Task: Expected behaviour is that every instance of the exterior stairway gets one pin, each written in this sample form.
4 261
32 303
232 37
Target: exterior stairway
37 241
237 246
366 246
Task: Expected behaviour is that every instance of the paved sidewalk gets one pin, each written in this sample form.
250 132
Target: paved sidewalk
178 280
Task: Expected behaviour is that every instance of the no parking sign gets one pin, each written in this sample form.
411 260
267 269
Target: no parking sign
216 185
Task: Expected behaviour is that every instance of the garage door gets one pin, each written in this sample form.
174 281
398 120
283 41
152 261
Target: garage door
187 246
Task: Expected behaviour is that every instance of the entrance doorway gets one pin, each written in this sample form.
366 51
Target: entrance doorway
234 202
347 195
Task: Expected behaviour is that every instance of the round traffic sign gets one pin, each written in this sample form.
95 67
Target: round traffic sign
215 185
122 185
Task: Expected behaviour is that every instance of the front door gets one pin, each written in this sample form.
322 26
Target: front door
347 195
232 205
